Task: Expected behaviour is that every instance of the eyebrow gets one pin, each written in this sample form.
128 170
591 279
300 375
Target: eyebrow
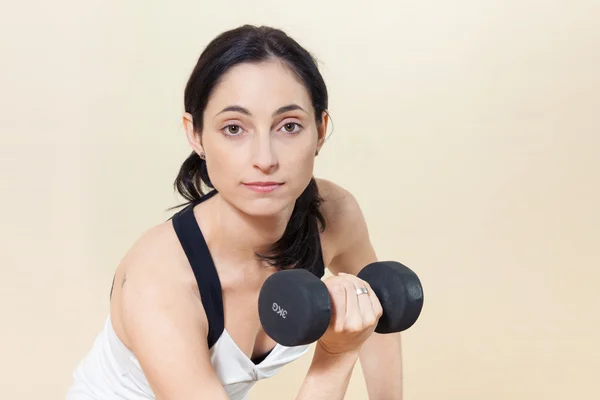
279 111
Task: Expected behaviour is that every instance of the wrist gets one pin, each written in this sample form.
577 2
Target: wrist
343 363
328 357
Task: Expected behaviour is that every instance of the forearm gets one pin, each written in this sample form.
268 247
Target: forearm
328 376
381 362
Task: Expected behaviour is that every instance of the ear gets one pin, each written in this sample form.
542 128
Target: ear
322 131
194 138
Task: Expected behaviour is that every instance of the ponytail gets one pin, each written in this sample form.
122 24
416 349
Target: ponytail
300 245
191 176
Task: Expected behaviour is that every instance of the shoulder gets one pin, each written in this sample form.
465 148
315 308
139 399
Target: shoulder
158 243
154 276
156 255
346 232
340 207
343 215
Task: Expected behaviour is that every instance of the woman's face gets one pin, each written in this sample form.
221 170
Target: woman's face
259 137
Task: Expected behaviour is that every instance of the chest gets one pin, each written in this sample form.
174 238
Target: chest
240 307
240 285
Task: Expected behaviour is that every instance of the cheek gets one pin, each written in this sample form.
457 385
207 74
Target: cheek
300 164
222 169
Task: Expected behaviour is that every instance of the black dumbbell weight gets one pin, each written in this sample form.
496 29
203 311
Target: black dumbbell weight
295 308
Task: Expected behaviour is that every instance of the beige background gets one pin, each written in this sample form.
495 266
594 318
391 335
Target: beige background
468 130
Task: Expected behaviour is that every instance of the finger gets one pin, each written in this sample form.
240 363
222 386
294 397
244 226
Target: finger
337 293
365 302
353 313
366 306
375 303
371 309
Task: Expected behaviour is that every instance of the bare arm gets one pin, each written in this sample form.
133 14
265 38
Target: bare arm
381 355
328 376
166 328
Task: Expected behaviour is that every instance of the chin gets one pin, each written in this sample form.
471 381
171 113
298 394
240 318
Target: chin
265 207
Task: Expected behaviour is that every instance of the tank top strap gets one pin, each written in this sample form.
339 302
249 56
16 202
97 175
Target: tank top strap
320 267
205 272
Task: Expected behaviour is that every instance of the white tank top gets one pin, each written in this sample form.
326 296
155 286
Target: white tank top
111 371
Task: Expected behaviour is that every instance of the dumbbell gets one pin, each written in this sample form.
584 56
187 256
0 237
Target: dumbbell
294 305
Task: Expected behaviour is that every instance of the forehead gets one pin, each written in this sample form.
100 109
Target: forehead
264 86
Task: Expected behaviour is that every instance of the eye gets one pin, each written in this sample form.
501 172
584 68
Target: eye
292 127
232 130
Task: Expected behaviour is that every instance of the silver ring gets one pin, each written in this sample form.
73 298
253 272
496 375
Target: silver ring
362 290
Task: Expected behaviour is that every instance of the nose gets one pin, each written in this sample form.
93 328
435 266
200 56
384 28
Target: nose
263 154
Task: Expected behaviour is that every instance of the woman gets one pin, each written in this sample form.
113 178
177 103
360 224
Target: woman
183 320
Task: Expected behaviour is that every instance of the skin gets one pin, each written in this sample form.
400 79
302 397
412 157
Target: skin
156 308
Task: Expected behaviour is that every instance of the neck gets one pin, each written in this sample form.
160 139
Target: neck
242 235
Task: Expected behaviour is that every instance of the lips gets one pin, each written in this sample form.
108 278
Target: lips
263 183
263 187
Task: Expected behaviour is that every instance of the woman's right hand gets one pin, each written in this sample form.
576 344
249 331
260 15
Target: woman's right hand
354 316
